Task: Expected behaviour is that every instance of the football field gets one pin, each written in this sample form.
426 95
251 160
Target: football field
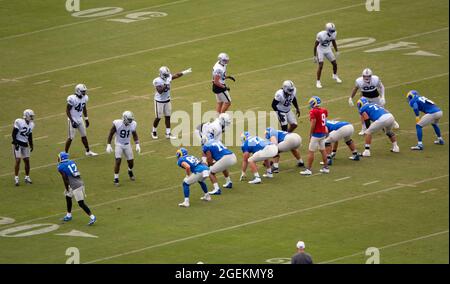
396 202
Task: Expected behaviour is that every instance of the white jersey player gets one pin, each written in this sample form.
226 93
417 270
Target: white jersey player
75 110
163 106
213 130
322 49
281 104
123 129
219 88
22 136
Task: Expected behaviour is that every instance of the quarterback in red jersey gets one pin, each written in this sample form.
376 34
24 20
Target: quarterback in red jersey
318 133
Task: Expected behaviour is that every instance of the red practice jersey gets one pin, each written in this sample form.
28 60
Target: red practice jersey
320 114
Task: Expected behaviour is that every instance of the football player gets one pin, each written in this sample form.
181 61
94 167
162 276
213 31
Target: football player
382 120
213 129
284 98
74 187
22 140
196 171
338 130
317 134
285 141
432 115
122 128
75 110
219 88
322 49
261 150
219 159
163 106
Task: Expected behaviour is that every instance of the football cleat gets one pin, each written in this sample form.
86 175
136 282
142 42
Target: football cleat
325 170
318 85
275 170
206 197
28 180
256 180
215 192
184 204
92 221
170 136
268 175
16 181
116 182
395 149
300 164
131 175
355 157
306 172
154 135
439 142
366 153
91 154
362 132
66 218
337 79
228 185
418 147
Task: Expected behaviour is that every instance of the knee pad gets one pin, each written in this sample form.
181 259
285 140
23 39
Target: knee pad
327 144
349 142
390 134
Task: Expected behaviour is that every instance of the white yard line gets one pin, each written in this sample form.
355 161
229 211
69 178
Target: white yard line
145 153
88 21
40 138
327 204
430 190
387 246
120 92
370 182
67 85
95 88
42 82
340 179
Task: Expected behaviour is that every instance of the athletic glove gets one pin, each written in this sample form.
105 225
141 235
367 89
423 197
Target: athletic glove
138 148
350 102
417 119
86 121
109 149
281 117
74 124
187 71
382 101
297 112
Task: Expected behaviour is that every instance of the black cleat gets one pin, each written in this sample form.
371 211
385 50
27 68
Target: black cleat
116 182
131 175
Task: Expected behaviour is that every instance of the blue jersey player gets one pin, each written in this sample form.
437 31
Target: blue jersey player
74 186
219 158
285 141
339 130
260 150
381 120
432 115
196 171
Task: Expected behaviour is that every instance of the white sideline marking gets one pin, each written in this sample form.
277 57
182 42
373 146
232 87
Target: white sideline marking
41 82
387 246
88 21
62 142
40 138
120 92
408 185
189 41
145 153
96 144
67 85
259 220
370 182
344 178
95 88
429 190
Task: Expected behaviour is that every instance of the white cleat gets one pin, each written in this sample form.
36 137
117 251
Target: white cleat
395 149
28 180
361 133
170 136
91 154
206 197
256 180
318 85
16 181
325 170
154 135
267 175
396 125
366 153
184 204
337 79
306 172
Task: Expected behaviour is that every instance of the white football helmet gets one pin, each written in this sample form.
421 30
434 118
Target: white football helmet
330 28
224 119
367 74
128 117
80 90
164 72
28 114
288 87
223 58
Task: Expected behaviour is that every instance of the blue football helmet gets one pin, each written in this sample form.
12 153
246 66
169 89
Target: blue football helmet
362 101
62 157
181 152
411 94
314 101
245 136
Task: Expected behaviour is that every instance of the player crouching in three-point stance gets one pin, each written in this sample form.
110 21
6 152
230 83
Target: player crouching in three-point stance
382 119
74 186
285 141
123 128
196 171
322 49
219 88
22 140
338 130
317 134
432 115
262 150
284 97
163 106
76 108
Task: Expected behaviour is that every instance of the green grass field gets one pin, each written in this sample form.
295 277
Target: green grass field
398 203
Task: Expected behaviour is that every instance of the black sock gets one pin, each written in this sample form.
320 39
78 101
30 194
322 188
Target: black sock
69 204
84 207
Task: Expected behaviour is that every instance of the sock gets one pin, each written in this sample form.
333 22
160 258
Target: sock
394 144
256 175
355 153
92 217
69 214
116 176
419 143
84 207
27 176
69 204
130 169
269 171
329 156
419 132
186 200
228 179
367 146
186 191
437 130
16 177
275 165
204 186
216 185
154 129
300 161
167 131
333 154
